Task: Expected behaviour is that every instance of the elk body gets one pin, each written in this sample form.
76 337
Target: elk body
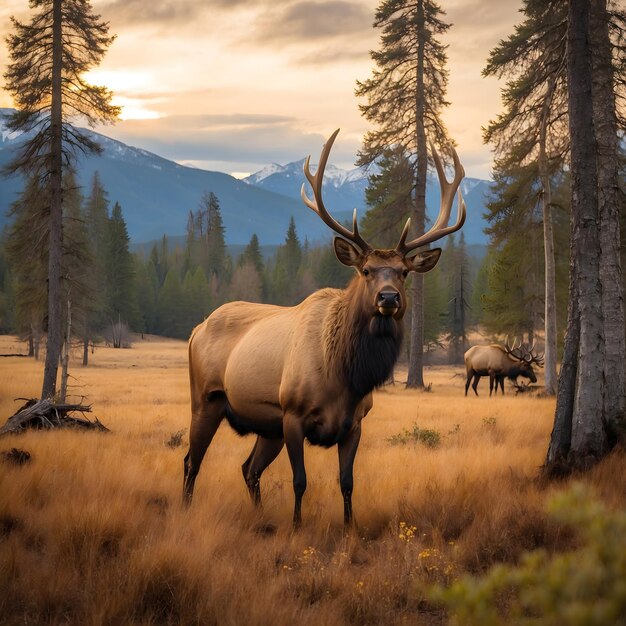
498 363
288 374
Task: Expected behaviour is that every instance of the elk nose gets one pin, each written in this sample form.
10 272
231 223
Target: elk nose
388 299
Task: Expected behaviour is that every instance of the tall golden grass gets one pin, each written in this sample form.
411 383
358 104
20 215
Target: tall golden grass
92 530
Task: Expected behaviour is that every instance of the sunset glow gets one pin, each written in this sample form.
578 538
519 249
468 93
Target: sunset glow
133 109
235 86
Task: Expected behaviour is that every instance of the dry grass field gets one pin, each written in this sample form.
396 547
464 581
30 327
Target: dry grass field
92 531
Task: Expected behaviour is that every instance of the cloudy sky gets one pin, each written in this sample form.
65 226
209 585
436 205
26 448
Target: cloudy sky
232 85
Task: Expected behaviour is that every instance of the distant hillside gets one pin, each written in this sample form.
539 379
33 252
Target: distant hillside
157 194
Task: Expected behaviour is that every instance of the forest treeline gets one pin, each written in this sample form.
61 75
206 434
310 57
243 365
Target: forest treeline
167 289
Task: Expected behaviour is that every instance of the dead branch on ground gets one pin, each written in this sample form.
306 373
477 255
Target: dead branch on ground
46 414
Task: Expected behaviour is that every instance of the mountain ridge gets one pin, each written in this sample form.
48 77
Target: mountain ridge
156 194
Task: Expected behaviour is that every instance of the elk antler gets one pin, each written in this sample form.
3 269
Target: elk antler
530 356
515 350
448 191
538 359
317 203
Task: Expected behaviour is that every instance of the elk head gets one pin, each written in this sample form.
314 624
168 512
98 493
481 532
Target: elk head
526 356
382 272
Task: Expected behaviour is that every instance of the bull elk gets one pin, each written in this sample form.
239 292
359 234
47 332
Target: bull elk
288 374
500 362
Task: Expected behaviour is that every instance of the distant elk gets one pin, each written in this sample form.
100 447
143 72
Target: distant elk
500 362
288 374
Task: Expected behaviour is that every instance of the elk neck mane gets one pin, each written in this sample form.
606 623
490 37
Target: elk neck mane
361 349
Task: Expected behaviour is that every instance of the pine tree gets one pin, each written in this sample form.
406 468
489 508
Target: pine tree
405 97
435 306
292 251
216 244
27 255
77 266
120 293
389 194
171 307
533 130
201 296
479 289
147 283
459 297
7 304
252 254
163 259
588 419
327 272
512 303
49 57
287 264
96 216
605 119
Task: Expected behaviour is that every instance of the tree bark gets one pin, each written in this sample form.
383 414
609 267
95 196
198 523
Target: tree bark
418 214
605 124
561 437
588 434
550 351
55 322
580 405
65 362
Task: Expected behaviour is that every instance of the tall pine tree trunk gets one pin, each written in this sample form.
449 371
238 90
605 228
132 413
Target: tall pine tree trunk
55 322
605 124
67 347
550 351
418 214
86 344
579 411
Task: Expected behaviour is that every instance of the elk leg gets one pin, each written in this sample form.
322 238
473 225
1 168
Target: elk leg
492 378
475 383
204 423
347 451
470 373
501 381
294 440
263 453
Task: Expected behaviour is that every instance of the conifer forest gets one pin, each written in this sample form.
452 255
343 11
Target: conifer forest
472 505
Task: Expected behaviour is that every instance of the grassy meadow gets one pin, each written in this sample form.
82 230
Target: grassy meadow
92 531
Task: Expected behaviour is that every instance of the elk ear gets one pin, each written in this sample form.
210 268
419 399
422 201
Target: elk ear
347 253
424 261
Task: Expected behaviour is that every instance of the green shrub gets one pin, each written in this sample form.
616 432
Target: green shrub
586 586
430 438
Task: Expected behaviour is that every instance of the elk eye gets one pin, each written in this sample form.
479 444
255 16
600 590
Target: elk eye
405 273
366 272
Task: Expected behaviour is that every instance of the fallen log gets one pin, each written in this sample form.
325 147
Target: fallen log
46 414
526 388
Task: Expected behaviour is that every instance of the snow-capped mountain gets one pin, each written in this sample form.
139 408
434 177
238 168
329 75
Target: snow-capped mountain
344 190
333 175
157 194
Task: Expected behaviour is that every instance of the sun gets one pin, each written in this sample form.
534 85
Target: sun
132 91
